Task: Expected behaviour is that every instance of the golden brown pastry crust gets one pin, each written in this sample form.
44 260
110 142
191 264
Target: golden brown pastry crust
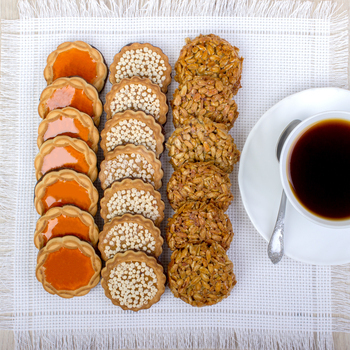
65 175
128 184
77 83
161 119
101 68
142 151
69 242
141 117
130 256
70 112
138 219
70 211
64 141
136 46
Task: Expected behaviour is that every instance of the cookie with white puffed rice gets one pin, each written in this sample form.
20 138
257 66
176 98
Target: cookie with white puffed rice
137 94
134 162
135 128
130 232
133 197
133 280
142 60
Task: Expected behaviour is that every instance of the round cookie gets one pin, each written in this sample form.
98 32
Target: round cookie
68 267
201 275
133 280
130 232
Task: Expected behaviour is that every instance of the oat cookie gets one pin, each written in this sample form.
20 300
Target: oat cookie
212 56
131 161
142 60
130 232
135 128
196 223
133 197
201 275
137 94
204 97
66 152
69 122
65 187
68 267
133 280
201 140
65 221
71 92
76 58
202 182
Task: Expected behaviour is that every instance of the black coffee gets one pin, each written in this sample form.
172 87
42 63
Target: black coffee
319 169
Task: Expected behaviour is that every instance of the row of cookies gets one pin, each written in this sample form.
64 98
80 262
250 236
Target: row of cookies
202 153
66 167
130 176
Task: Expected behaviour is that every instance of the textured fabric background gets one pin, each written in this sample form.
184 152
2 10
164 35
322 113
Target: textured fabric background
270 305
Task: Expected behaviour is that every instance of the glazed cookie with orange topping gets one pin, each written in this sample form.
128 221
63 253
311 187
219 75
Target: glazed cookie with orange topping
212 56
69 122
66 152
137 94
131 161
135 128
68 267
133 197
142 60
76 58
133 280
130 232
65 187
71 92
65 221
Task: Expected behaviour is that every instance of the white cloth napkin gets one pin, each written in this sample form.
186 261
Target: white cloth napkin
288 47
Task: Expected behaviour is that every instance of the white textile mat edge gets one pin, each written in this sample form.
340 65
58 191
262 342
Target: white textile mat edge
165 338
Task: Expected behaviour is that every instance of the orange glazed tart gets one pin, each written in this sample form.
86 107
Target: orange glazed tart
134 197
76 59
65 187
71 92
142 60
133 162
137 94
68 267
132 127
69 122
133 280
65 152
65 221
130 232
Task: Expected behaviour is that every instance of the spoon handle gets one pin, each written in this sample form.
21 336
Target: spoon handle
275 249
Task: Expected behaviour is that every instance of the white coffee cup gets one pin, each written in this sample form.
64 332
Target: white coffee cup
288 145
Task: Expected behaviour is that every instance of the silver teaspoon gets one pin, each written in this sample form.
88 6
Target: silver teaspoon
275 248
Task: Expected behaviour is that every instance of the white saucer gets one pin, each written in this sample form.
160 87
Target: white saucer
261 188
